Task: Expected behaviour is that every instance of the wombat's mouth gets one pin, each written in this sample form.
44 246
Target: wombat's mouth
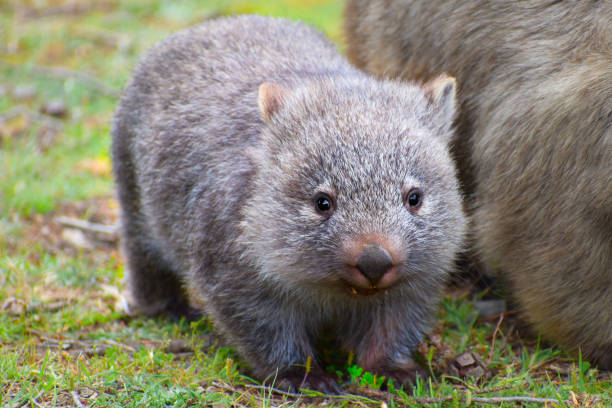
358 284
363 291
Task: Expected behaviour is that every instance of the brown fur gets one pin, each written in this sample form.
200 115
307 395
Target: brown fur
534 145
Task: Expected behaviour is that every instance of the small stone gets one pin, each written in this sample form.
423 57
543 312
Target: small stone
56 107
465 359
476 372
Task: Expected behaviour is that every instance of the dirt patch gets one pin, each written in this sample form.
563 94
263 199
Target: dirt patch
56 234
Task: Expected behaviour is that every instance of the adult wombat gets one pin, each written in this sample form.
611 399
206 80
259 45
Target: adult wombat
534 144
261 174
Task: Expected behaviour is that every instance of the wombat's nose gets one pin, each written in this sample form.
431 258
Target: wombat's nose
374 261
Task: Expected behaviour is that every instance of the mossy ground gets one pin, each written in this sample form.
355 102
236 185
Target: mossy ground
64 339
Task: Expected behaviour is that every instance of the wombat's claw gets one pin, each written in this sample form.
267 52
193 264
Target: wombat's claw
293 379
406 377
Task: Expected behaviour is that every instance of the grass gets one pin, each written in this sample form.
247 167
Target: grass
64 340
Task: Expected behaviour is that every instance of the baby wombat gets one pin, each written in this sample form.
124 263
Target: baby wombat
264 177
534 144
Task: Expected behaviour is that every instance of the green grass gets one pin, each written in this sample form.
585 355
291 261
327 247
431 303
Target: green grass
63 335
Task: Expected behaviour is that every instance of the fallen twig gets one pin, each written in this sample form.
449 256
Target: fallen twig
108 230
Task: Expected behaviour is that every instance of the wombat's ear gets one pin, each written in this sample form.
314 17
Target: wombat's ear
441 92
270 99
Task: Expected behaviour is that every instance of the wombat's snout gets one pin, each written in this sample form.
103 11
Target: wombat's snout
373 262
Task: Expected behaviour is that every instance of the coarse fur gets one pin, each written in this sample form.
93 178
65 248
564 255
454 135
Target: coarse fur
534 144
224 134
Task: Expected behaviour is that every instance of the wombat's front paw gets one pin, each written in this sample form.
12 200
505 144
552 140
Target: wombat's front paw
174 307
180 308
405 376
295 378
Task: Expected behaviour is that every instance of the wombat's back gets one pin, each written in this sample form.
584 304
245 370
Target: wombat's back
202 82
535 140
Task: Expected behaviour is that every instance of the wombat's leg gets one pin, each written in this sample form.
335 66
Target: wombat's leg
295 378
272 335
386 346
289 354
153 288
602 356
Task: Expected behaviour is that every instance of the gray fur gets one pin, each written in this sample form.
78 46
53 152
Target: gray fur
216 203
535 141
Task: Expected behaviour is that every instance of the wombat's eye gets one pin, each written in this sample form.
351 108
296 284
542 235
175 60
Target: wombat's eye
324 204
413 199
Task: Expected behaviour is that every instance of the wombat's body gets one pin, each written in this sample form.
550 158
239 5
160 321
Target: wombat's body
534 145
322 198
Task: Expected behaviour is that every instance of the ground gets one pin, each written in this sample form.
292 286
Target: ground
65 338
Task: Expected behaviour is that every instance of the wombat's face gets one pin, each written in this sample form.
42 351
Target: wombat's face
355 191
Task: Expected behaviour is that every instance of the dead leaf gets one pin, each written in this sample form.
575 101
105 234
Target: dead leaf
95 166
